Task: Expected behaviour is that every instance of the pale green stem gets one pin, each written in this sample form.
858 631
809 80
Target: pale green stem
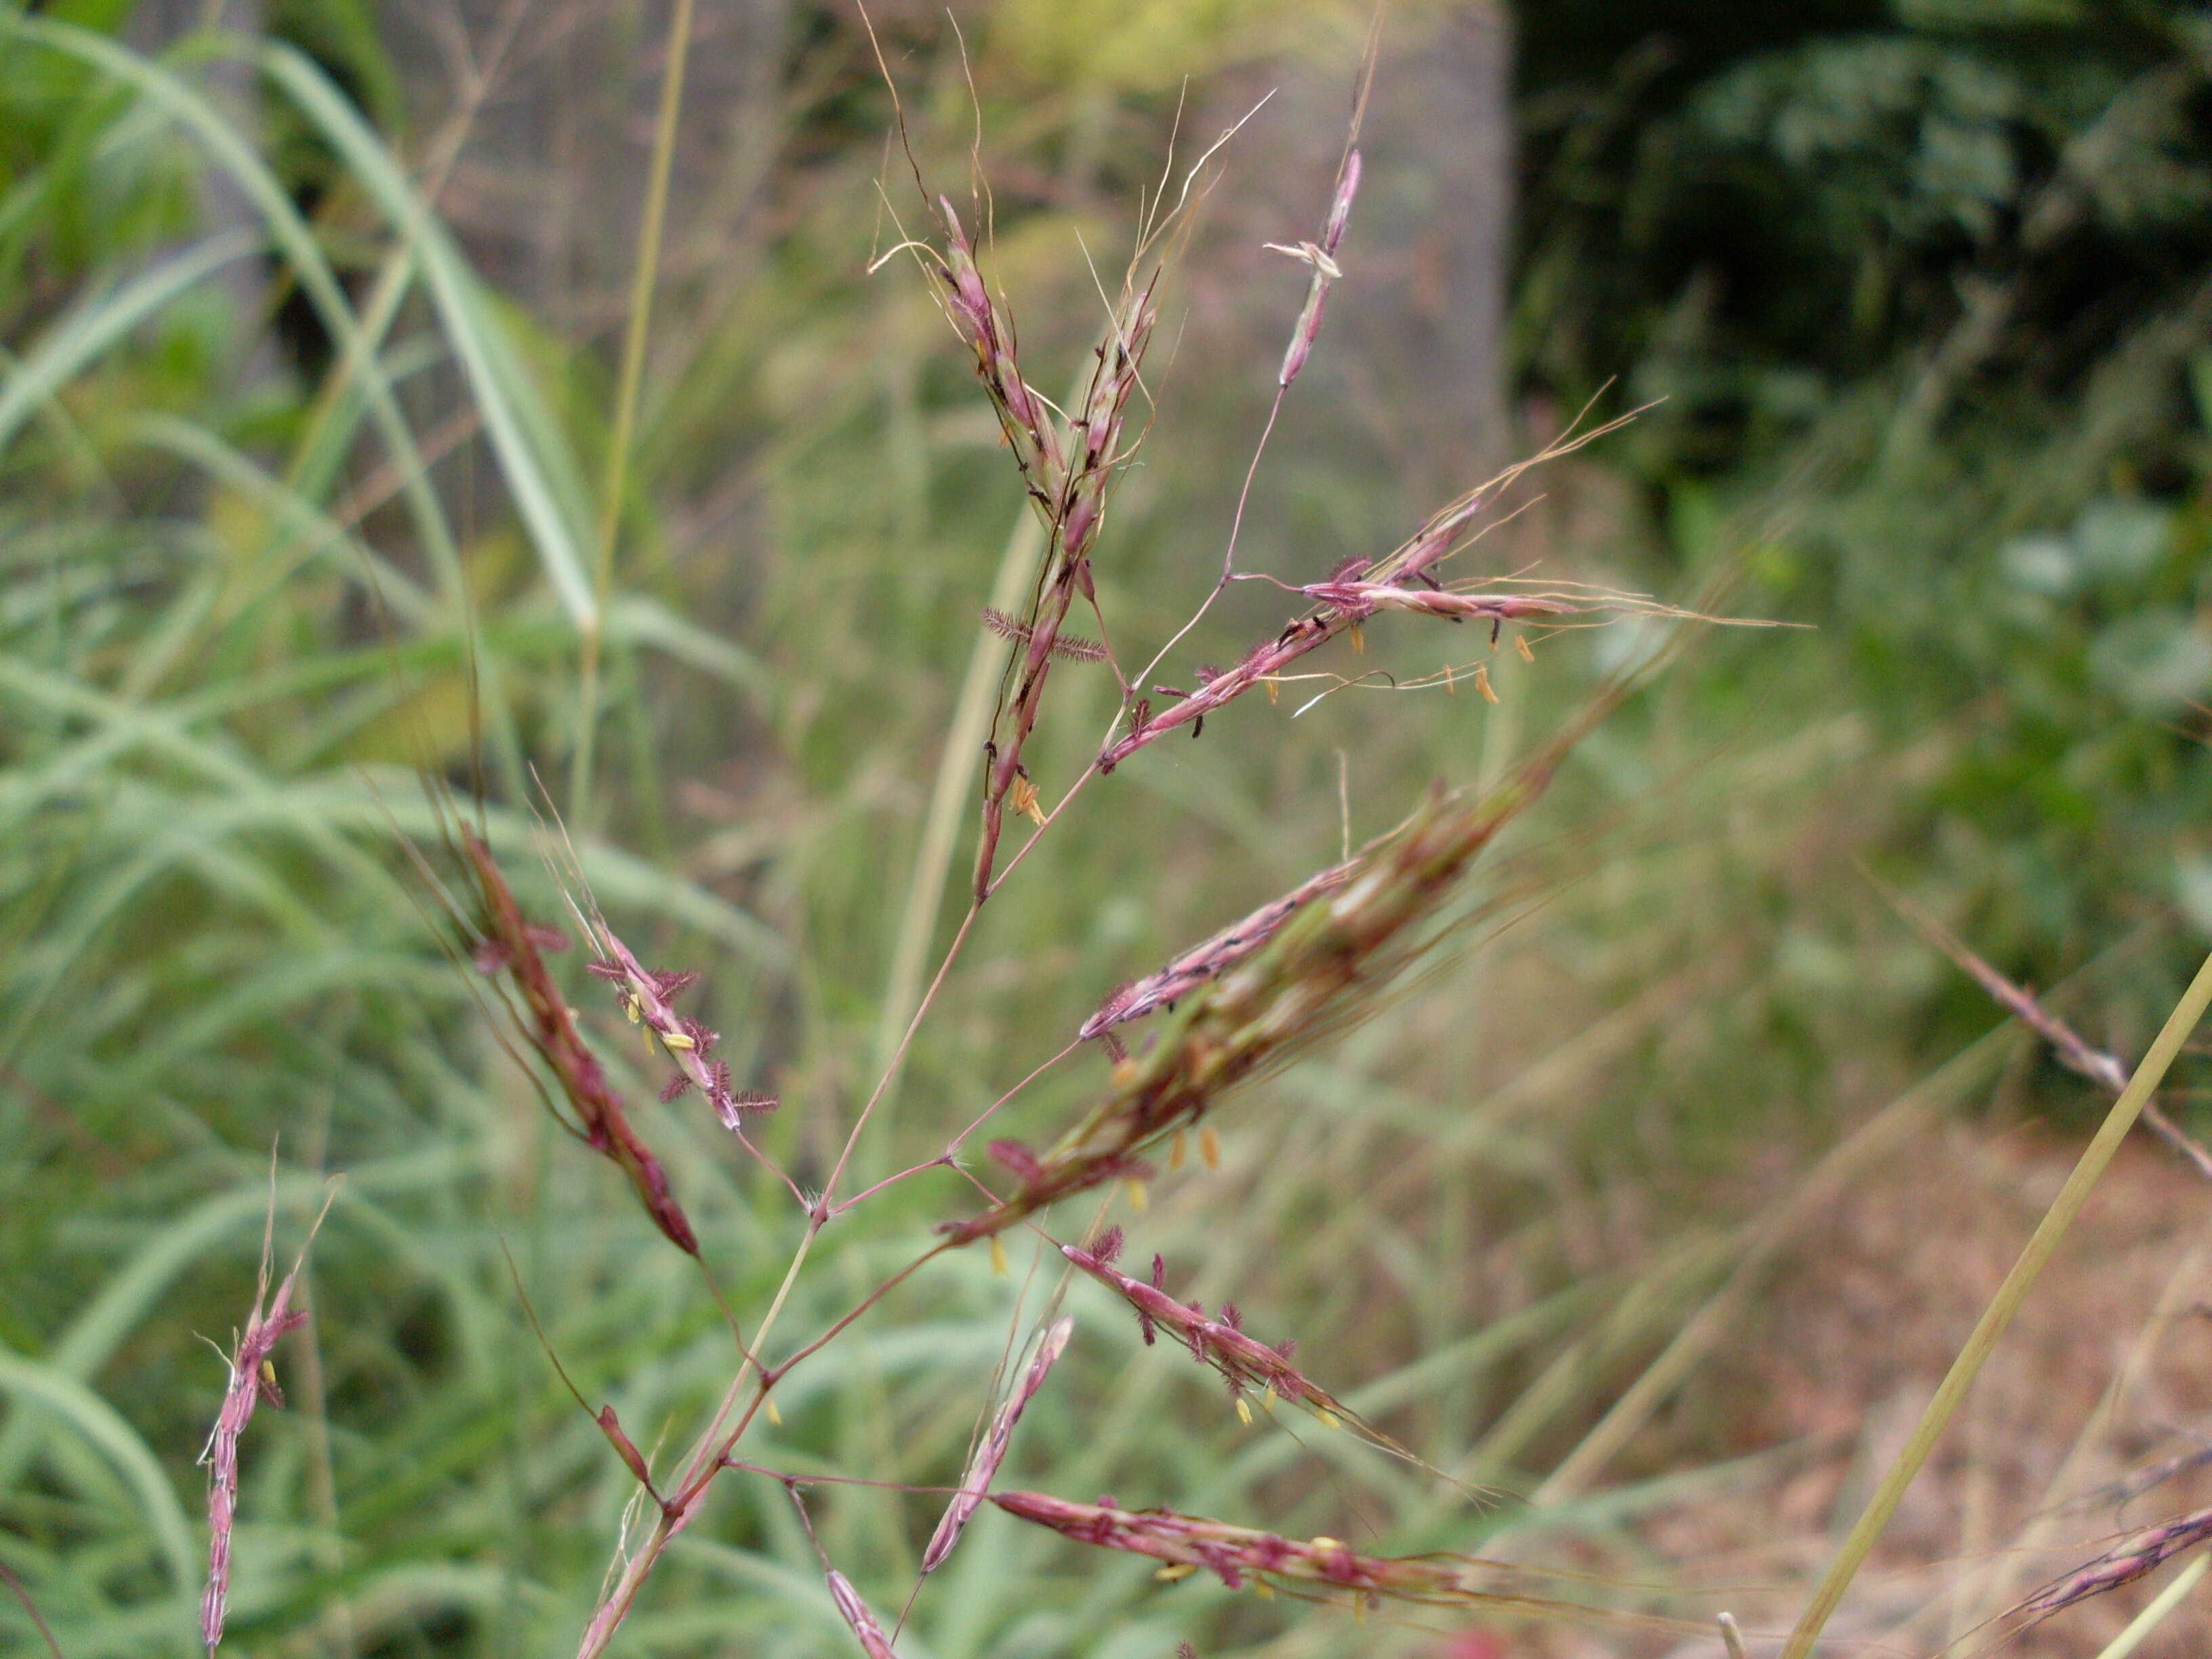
1998 1315
2154 1615
632 377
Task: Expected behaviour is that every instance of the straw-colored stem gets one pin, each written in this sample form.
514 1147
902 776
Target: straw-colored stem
632 376
1999 1314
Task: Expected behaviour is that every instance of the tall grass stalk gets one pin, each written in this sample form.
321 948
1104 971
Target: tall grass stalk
630 379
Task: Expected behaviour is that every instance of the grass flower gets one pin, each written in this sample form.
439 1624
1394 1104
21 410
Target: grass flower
252 1380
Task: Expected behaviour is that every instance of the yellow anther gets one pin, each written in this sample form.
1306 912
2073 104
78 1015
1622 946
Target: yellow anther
1521 644
1177 1149
648 1034
1275 690
1328 1418
1358 639
997 1257
1263 1589
1358 1609
1174 1572
1124 1072
1324 1543
1267 1399
775 1416
677 1040
1482 682
1137 1198
1209 1146
268 1372
629 1008
1023 798
1244 1411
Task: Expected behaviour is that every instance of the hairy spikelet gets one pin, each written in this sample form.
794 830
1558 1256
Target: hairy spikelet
1310 1566
1068 647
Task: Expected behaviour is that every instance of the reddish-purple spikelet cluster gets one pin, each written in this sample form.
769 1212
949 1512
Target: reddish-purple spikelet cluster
644 997
1344 604
1322 258
249 1386
1359 932
1023 416
991 1452
1233 1552
1244 1361
252 1379
507 942
2142 1553
1184 1544
1210 960
1067 472
1357 600
873 1642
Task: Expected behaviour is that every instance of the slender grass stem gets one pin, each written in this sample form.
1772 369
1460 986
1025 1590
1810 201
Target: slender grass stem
644 275
898 1055
705 1462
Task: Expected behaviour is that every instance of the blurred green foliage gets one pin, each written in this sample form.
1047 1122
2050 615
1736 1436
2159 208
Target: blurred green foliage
1924 291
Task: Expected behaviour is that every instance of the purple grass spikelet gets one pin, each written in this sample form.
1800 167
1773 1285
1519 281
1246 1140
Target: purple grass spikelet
252 1379
991 1451
873 1642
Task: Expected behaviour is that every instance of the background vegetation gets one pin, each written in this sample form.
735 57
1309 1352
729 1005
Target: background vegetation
314 478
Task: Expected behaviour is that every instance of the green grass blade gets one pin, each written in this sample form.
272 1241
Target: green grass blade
314 531
102 1427
101 320
633 619
294 239
542 476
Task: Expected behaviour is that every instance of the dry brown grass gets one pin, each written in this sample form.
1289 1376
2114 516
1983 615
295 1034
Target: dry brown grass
2100 1383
